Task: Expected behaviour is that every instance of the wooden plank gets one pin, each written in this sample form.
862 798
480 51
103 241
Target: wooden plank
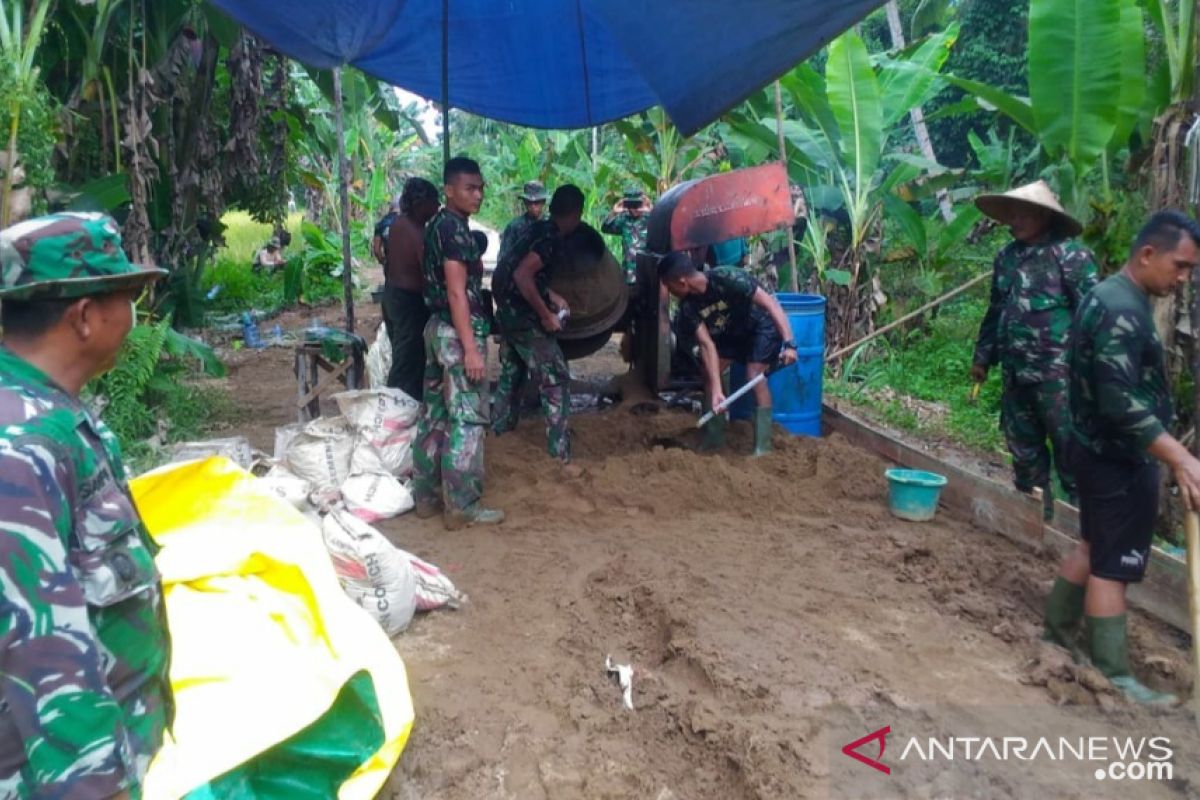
998 508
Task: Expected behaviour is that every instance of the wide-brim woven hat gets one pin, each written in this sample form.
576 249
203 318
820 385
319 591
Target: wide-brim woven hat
1003 207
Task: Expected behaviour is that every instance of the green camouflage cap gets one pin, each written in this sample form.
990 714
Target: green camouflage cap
534 192
632 194
66 255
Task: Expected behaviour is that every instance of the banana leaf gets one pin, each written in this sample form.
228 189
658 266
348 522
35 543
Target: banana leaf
1074 65
853 92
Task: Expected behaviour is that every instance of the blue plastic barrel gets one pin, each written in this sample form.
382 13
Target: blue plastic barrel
795 390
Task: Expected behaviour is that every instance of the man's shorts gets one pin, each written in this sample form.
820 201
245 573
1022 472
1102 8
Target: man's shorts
760 343
1118 507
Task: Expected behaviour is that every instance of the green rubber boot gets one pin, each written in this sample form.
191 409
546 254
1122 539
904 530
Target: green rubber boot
713 437
1064 612
1109 641
473 515
762 431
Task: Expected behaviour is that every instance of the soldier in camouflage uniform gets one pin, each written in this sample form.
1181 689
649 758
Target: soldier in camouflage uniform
534 197
1039 280
1121 409
528 313
628 220
448 451
84 647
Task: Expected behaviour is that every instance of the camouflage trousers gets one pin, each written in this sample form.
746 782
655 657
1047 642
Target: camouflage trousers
531 352
448 450
1031 414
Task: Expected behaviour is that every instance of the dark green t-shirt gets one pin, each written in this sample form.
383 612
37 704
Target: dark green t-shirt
543 238
724 307
1120 399
447 236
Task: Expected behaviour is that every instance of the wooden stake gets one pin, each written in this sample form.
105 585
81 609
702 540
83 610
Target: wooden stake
344 191
892 325
794 281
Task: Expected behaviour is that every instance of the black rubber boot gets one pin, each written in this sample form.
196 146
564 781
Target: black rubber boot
1109 640
1064 612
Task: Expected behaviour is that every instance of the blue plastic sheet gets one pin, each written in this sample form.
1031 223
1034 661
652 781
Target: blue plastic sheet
560 63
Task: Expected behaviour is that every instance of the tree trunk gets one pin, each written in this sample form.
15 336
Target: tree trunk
920 130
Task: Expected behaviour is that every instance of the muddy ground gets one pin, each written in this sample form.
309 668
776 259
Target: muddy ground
759 602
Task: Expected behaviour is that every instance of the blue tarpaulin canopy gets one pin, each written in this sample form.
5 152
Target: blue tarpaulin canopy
559 63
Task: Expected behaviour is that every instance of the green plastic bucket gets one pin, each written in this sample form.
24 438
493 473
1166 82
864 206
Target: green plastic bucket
913 494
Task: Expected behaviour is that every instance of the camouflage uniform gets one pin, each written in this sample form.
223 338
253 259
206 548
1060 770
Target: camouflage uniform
84 647
448 452
632 231
1120 397
512 232
1035 291
525 347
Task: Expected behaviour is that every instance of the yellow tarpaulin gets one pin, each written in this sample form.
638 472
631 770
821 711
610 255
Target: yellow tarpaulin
263 637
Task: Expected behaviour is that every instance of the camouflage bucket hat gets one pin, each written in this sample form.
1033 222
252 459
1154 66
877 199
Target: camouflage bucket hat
66 255
534 192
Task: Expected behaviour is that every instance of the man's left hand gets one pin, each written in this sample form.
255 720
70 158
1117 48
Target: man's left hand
788 356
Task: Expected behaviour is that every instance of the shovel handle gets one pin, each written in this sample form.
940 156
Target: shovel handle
1192 530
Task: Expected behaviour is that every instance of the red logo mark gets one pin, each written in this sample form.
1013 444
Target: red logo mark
881 734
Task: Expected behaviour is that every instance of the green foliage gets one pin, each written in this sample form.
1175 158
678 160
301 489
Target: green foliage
149 389
37 130
930 364
124 386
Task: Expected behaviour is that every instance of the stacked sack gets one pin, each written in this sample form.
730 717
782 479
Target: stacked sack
347 471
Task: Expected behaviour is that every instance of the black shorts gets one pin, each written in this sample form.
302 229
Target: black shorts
759 343
1118 507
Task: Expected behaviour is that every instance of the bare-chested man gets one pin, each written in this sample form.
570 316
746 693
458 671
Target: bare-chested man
404 308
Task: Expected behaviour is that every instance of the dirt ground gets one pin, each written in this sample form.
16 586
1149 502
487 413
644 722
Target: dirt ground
753 597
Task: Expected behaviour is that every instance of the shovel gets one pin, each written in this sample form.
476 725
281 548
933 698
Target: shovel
1192 528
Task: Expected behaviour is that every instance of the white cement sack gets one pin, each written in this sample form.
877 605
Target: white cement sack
235 448
379 358
320 452
291 489
375 496
373 573
385 420
434 589
283 439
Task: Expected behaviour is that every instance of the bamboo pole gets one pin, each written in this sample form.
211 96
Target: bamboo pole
892 325
794 280
344 191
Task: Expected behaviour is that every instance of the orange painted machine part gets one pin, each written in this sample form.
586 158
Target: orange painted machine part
729 205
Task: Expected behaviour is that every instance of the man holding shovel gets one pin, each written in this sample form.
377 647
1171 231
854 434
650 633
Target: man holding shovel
1038 281
1120 405
731 318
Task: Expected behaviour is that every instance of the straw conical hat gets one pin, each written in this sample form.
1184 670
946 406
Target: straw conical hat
1000 207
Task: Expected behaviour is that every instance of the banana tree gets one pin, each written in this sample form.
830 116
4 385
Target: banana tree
836 143
1087 87
18 46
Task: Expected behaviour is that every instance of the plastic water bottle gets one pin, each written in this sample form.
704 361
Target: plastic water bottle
213 292
250 334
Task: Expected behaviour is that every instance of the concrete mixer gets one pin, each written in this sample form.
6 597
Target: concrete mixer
690 216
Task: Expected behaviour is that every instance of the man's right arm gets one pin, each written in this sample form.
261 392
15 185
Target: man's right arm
711 362
460 317
987 344
612 224
52 674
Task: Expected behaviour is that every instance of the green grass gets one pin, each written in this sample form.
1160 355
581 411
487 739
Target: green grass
930 364
242 289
